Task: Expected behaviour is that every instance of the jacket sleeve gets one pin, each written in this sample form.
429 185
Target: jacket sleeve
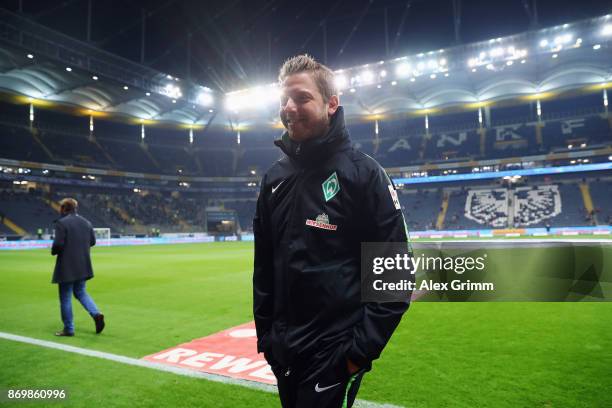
382 207
59 239
263 284
92 236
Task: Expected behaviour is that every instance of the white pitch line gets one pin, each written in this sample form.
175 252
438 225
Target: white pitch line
162 367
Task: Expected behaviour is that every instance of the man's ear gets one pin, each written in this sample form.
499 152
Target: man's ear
332 105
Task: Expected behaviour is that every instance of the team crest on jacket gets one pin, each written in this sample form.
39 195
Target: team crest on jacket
322 222
331 186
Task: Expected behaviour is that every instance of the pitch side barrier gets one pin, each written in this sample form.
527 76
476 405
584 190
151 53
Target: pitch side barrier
132 241
543 233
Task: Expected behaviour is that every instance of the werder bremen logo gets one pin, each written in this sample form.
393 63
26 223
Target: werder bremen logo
331 186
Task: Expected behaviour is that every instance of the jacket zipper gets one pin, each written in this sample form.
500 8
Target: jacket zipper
291 218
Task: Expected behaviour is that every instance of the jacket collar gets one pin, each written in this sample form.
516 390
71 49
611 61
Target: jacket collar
336 139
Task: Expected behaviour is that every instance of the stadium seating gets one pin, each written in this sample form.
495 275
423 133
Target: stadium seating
17 142
456 213
420 208
536 204
487 207
531 206
513 131
27 210
601 194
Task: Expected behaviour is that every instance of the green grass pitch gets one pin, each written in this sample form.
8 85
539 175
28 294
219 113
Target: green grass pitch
442 355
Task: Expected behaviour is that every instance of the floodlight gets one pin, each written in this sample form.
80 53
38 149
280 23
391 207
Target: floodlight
341 81
403 69
367 77
205 98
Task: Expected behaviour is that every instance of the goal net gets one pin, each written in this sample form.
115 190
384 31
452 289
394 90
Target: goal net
103 236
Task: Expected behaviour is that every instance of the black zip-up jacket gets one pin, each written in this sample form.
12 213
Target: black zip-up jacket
315 207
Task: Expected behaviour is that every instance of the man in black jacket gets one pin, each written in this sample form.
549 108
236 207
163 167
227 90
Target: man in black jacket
74 236
316 205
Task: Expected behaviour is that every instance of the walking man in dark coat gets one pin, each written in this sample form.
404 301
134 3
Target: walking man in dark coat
74 236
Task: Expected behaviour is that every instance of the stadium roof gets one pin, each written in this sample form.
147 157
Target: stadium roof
47 67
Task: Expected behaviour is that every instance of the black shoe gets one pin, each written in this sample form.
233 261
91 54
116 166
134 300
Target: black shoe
99 320
64 333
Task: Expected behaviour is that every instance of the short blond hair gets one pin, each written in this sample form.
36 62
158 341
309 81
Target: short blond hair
68 204
322 75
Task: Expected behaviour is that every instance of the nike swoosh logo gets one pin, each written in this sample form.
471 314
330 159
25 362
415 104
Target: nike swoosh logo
321 389
279 184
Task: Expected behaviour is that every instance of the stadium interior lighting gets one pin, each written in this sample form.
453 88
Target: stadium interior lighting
496 52
367 77
383 73
433 76
543 43
393 83
412 79
173 91
341 81
205 98
210 111
379 86
563 39
352 90
607 29
402 70
68 69
125 87
30 56
597 46
95 78
174 101
148 93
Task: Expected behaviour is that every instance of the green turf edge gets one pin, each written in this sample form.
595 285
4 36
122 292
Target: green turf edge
93 382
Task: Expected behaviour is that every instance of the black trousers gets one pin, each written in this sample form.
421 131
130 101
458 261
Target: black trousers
329 386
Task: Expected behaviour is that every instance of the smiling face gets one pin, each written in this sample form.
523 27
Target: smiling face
303 110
